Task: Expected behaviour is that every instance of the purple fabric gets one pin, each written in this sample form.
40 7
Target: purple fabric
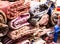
20 21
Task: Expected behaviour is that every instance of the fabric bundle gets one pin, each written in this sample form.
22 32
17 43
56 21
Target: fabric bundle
3 27
42 21
20 21
16 9
37 12
7 40
54 18
25 30
4 5
3 18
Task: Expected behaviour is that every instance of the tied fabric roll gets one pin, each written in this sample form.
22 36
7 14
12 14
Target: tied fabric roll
20 21
17 8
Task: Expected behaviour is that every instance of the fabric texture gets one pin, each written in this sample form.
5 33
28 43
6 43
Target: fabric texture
20 21
26 30
56 29
3 26
16 9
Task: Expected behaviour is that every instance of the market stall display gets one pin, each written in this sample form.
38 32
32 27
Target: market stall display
24 22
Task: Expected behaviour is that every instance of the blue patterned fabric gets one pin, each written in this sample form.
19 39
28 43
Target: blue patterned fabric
56 29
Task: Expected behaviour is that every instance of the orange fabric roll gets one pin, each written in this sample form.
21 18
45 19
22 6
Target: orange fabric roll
16 9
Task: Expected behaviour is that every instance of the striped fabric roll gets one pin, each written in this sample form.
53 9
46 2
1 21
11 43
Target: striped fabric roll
7 40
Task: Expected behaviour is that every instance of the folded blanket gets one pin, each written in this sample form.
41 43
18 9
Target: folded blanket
20 21
16 9
25 30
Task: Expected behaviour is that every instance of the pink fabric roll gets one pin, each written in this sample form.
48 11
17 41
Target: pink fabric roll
17 8
20 21
23 31
4 5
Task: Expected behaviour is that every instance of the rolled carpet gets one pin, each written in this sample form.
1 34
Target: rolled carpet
20 21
